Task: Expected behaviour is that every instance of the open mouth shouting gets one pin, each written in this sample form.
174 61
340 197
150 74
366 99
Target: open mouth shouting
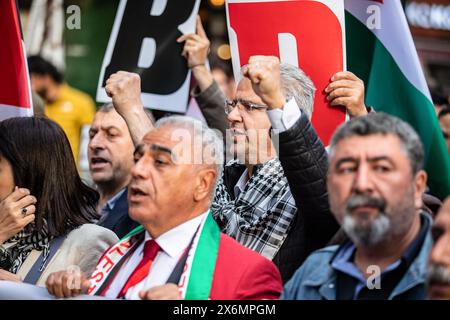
136 194
98 163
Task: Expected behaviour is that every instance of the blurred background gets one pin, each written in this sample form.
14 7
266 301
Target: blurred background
84 48
73 35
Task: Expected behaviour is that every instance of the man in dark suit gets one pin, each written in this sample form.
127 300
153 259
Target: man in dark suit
110 153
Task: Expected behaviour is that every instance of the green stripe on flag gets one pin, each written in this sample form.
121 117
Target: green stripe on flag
133 232
204 263
388 90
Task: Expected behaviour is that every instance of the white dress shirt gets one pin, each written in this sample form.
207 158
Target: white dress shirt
240 185
284 119
172 243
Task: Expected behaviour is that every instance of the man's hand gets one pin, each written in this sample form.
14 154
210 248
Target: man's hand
8 276
196 46
16 211
347 90
65 284
125 90
264 73
166 292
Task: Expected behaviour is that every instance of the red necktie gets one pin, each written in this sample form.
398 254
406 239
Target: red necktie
151 249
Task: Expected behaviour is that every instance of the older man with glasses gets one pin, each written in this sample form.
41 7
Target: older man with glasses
272 196
253 202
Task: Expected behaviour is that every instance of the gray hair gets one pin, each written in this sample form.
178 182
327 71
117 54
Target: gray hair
211 140
382 123
107 107
296 84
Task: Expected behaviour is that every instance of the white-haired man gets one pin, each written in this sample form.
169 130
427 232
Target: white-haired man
179 251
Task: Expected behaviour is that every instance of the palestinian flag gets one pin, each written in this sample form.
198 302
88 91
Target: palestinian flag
15 92
386 59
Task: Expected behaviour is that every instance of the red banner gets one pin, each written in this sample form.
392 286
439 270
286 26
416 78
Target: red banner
307 33
14 79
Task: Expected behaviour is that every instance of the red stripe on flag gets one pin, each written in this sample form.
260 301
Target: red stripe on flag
14 85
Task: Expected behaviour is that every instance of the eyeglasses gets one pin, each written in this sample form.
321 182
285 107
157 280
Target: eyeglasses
249 106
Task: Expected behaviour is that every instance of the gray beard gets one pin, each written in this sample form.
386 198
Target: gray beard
368 236
438 274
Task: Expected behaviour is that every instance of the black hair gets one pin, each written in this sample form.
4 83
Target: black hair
110 107
40 66
438 97
444 111
382 123
42 161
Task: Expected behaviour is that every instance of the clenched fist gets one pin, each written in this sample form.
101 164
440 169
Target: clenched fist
125 90
264 73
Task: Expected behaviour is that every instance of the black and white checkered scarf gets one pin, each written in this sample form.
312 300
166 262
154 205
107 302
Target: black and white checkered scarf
261 216
17 248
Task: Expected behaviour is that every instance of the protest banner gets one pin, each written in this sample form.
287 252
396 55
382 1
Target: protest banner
15 93
143 40
304 33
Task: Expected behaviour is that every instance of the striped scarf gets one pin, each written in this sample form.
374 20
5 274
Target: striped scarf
195 281
17 248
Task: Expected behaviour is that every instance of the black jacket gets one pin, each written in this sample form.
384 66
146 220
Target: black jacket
118 219
305 164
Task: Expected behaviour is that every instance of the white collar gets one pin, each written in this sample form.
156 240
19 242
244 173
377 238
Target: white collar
176 240
240 185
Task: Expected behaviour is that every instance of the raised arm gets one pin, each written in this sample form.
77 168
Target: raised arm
207 93
301 152
125 90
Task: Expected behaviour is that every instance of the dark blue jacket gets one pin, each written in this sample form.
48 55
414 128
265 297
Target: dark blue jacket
118 220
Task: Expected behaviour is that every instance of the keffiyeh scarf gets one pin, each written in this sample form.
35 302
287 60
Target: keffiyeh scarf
261 216
17 248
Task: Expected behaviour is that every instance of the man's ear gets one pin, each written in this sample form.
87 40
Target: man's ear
420 183
205 181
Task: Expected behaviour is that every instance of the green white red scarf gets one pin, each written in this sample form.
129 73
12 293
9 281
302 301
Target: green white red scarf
196 279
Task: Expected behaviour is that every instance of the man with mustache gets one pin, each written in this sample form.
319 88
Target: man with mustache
272 202
438 275
375 182
179 252
253 202
110 155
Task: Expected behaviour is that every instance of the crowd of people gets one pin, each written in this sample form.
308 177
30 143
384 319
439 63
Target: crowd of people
249 205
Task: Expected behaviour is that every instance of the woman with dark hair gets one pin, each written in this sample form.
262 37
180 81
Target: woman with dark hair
46 211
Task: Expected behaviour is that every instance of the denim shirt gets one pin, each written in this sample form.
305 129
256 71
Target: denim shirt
316 278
